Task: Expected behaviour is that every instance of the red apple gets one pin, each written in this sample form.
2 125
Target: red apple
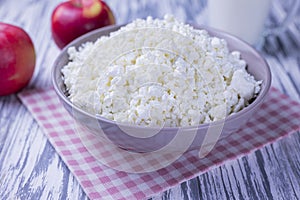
74 18
17 58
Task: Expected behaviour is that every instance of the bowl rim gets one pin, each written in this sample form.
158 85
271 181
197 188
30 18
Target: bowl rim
257 101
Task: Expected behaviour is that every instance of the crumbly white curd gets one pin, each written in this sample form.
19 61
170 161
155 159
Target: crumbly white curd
159 72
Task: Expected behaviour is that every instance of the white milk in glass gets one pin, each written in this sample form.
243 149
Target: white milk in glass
243 18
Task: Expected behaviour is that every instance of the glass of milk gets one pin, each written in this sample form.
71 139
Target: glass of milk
246 18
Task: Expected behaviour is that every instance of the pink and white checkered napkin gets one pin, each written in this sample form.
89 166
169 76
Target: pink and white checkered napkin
278 117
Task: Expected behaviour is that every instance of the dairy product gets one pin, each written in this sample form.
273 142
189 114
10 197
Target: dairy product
159 72
242 18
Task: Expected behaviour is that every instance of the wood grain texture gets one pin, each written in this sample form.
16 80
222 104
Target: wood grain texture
31 169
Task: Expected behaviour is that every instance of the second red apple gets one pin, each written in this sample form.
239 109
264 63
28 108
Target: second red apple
74 18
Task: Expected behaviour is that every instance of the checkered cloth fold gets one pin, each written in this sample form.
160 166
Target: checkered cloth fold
84 153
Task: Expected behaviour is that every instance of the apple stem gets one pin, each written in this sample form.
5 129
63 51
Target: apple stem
77 3
83 3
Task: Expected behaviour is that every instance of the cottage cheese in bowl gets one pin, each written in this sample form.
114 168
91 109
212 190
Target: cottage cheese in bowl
159 72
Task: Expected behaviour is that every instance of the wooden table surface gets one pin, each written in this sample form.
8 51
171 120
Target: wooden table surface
31 169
